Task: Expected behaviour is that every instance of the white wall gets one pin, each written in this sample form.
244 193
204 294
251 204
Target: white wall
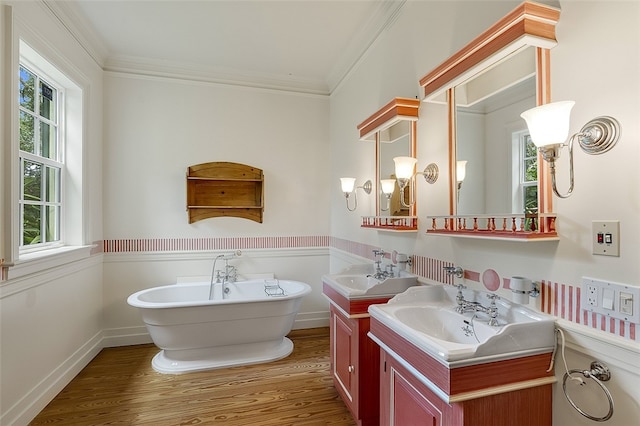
159 127
51 321
425 34
156 129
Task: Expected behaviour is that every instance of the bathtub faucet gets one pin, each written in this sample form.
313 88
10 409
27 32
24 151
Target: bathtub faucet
229 276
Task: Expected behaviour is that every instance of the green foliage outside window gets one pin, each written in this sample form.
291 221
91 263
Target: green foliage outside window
40 183
530 175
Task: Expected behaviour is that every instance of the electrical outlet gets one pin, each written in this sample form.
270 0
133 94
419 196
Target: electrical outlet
613 300
592 295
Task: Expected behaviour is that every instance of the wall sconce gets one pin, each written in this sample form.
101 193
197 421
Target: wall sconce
405 172
461 173
388 187
349 187
549 127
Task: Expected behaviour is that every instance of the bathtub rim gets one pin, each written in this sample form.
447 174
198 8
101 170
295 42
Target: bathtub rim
134 299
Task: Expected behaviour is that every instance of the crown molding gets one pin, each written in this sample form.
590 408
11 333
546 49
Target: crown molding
68 14
355 51
217 75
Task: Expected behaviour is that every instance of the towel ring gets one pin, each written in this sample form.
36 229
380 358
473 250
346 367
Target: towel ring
599 373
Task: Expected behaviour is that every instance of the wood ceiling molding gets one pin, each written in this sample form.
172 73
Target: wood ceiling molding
398 108
530 23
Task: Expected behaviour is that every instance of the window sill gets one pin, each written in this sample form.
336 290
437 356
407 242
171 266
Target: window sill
35 262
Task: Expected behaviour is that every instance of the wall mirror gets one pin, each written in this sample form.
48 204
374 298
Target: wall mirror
496 163
392 130
499 187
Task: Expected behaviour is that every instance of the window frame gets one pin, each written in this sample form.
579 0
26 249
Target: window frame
519 161
525 138
57 163
28 47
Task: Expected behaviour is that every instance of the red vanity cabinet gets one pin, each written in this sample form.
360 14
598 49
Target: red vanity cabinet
416 389
355 358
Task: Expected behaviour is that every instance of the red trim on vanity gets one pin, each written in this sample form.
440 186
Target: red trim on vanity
468 378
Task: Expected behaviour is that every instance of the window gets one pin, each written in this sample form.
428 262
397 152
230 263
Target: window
524 174
529 175
41 160
48 218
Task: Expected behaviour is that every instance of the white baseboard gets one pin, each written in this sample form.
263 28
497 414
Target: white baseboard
40 395
311 320
125 336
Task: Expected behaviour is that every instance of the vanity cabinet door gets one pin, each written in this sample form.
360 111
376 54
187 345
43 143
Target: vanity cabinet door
344 356
403 401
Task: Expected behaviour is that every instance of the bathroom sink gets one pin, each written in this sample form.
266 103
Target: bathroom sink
426 317
355 283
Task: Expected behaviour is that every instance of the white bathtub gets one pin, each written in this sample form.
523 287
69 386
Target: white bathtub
248 326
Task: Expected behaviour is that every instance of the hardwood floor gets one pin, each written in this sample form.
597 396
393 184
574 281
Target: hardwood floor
119 387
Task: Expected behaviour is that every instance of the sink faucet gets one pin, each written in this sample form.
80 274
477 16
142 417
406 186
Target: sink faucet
491 310
379 273
463 306
389 270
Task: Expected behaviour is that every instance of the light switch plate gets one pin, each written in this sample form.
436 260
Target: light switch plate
605 237
626 303
608 295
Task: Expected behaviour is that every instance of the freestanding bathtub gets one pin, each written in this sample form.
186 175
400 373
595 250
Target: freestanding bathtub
248 326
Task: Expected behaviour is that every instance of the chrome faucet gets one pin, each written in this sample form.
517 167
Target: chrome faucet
463 306
229 276
491 310
454 270
379 273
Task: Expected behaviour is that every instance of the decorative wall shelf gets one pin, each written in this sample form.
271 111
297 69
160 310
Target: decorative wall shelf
391 223
498 227
224 189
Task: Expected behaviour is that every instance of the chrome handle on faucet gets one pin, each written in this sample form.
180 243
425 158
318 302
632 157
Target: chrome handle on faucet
493 309
390 269
454 270
460 298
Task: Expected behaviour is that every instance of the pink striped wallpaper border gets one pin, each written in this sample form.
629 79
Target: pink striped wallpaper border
432 269
559 300
563 301
353 247
225 243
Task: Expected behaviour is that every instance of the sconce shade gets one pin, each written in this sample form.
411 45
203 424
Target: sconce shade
388 185
461 170
404 167
348 184
549 124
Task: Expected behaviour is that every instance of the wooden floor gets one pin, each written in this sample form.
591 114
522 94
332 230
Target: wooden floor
119 387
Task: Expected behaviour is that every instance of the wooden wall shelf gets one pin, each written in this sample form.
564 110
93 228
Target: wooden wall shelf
224 189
